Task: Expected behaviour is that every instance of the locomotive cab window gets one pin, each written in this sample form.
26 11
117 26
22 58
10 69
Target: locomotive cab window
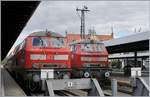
88 47
72 48
57 42
40 42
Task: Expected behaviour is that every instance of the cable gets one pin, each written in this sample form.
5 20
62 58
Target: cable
78 15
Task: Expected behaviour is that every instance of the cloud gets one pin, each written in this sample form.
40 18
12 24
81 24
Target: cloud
61 16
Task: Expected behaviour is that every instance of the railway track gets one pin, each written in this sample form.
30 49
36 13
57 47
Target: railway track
123 85
108 92
123 90
78 92
64 93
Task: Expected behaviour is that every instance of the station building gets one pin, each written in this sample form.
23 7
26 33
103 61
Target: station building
75 37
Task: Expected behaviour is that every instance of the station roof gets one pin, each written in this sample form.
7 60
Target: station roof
143 54
15 15
136 42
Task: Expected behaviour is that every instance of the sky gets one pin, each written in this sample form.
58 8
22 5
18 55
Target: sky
61 16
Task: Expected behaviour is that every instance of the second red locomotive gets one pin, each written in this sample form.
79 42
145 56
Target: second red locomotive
89 59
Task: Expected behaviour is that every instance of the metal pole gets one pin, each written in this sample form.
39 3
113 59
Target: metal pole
81 25
135 59
141 65
114 87
83 20
85 9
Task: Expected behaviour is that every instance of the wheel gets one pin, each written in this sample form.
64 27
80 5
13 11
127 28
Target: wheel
86 74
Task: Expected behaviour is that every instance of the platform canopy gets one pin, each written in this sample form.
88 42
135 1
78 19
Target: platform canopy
15 15
132 43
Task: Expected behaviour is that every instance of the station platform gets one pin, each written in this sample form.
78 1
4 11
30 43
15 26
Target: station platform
141 86
146 80
9 87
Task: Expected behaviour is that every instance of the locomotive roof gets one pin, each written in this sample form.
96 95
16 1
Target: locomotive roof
46 33
86 41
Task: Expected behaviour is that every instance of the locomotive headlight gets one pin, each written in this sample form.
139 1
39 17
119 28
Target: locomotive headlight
38 57
60 57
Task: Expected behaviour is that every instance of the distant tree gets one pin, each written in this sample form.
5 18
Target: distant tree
116 64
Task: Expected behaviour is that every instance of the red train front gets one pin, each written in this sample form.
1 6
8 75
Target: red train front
89 59
42 55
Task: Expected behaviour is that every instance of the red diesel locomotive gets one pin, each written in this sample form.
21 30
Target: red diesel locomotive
89 59
42 55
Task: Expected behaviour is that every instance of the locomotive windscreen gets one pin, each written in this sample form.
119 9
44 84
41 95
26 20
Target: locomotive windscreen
57 42
90 47
41 42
